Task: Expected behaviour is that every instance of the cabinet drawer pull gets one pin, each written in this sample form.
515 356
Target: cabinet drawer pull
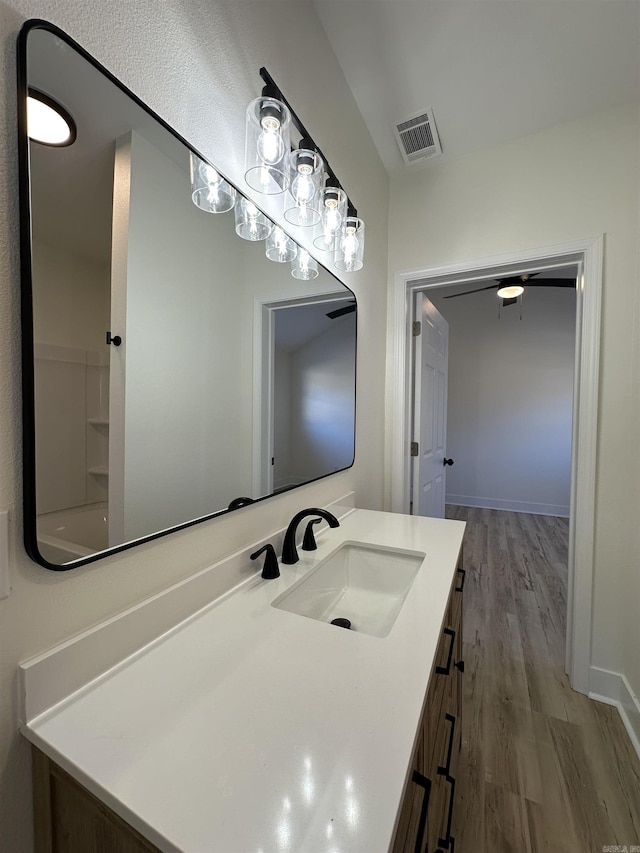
445 670
425 783
448 841
463 572
444 771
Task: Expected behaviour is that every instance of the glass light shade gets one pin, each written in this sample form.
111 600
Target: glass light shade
267 146
306 180
48 122
349 253
512 291
333 209
304 266
209 190
251 224
280 247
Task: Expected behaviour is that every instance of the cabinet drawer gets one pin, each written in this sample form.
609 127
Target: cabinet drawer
424 823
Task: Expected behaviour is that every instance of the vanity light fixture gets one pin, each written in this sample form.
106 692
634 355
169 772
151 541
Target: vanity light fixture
306 180
209 190
280 247
349 251
251 224
333 210
340 230
48 122
304 267
267 143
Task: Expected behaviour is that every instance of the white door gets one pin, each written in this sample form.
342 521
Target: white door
431 354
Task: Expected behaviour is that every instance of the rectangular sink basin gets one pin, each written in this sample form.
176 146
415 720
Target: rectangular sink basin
366 584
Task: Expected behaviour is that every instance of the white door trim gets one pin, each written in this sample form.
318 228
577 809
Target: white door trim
588 254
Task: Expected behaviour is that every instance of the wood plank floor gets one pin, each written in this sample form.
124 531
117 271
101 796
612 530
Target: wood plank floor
543 769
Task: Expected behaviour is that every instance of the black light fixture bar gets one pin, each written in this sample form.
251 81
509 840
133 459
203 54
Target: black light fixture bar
333 180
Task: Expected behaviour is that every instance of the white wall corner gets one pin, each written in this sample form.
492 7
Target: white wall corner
612 688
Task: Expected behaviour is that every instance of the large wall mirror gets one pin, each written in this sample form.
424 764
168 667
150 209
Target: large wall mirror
232 381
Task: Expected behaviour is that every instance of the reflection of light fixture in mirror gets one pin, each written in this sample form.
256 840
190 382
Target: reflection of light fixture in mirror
304 266
280 247
267 143
251 224
349 253
48 122
511 291
209 190
333 209
306 176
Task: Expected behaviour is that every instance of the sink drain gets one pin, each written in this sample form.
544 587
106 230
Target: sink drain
341 622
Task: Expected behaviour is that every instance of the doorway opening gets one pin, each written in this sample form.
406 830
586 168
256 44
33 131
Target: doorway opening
304 376
587 257
505 415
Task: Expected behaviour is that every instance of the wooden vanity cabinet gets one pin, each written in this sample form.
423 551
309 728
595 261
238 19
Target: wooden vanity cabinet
426 812
69 819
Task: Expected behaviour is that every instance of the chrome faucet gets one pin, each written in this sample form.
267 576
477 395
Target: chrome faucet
289 550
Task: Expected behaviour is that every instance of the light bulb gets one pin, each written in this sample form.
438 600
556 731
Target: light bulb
209 190
302 188
209 174
213 196
304 260
331 218
280 238
304 267
267 144
270 146
252 216
350 246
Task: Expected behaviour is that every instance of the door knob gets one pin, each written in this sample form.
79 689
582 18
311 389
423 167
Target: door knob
446 461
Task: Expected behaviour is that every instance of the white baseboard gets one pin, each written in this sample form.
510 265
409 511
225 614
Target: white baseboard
510 506
612 688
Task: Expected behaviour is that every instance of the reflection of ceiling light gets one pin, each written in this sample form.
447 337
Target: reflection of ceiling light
48 122
209 190
304 267
512 291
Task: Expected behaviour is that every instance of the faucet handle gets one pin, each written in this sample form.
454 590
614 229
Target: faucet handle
270 569
309 540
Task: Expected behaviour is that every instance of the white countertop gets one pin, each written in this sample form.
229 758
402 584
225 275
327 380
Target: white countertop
247 728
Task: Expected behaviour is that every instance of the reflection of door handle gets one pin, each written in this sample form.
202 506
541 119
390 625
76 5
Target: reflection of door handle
446 461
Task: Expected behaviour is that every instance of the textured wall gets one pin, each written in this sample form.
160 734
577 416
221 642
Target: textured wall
196 63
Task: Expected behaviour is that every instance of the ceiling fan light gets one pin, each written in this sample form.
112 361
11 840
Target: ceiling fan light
511 291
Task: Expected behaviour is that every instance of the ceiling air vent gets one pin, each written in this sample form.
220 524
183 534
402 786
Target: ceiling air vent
418 137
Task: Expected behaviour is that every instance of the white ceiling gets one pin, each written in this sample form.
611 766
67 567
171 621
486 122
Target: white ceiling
492 70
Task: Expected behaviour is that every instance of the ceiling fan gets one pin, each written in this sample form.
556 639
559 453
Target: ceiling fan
339 312
509 289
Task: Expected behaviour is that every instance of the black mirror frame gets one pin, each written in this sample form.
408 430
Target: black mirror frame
26 302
